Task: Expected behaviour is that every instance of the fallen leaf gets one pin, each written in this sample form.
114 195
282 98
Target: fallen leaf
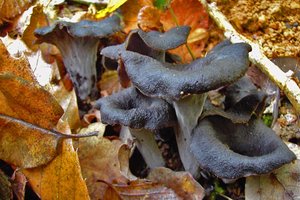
61 178
130 12
149 19
109 83
10 9
28 101
182 183
111 6
139 189
25 145
68 101
18 66
37 19
283 183
193 14
99 159
5 187
18 184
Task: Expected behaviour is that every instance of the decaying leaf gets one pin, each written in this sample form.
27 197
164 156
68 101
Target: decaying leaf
28 101
109 83
140 189
10 9
25 145
182 183
5 187
149 19
37 19
162 183
18 66
193 14
283 183
18 184
99 159
67 100
130 12
60 179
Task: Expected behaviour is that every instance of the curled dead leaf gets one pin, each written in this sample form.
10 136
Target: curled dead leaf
99 159
149 19
10 9
182 183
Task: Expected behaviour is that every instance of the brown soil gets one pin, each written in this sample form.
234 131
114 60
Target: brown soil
275 25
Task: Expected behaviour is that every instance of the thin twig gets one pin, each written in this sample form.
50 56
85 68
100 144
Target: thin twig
257 57
177 24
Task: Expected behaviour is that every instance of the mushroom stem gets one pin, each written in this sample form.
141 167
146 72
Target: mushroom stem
188 111
80 57
147 146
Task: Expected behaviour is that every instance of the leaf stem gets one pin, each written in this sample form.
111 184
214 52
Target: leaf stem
177 24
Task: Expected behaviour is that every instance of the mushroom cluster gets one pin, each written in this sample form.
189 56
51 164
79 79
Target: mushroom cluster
230 143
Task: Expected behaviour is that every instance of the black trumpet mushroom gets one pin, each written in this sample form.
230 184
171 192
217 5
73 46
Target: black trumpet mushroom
230 150
78 44
185 87
143 115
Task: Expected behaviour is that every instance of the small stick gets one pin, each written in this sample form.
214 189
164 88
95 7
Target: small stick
257 57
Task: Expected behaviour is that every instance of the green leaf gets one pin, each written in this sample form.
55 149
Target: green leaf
161 4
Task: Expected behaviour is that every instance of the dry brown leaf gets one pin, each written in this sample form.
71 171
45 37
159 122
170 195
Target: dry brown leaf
130 12
182 183
140 189
109 83
283 183
5 187
37 19
25 145
28 101
18 184
163 183
99 159
193 14
61 178
149 18
68 101
18 66
12 8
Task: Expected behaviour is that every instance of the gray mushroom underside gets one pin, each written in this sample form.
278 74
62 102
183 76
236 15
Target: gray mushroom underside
241 112
224 65
232 151
84 28
241 102
130 108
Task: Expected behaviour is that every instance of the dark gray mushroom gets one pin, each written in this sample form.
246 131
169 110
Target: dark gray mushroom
78 44
231 150
242 100
142 115
224 65
153 43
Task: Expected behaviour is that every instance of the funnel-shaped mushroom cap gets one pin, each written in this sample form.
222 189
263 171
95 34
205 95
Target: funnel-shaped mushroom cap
232 151
78 44
168 40
153 43
224 65
84 28
241 102
130 108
